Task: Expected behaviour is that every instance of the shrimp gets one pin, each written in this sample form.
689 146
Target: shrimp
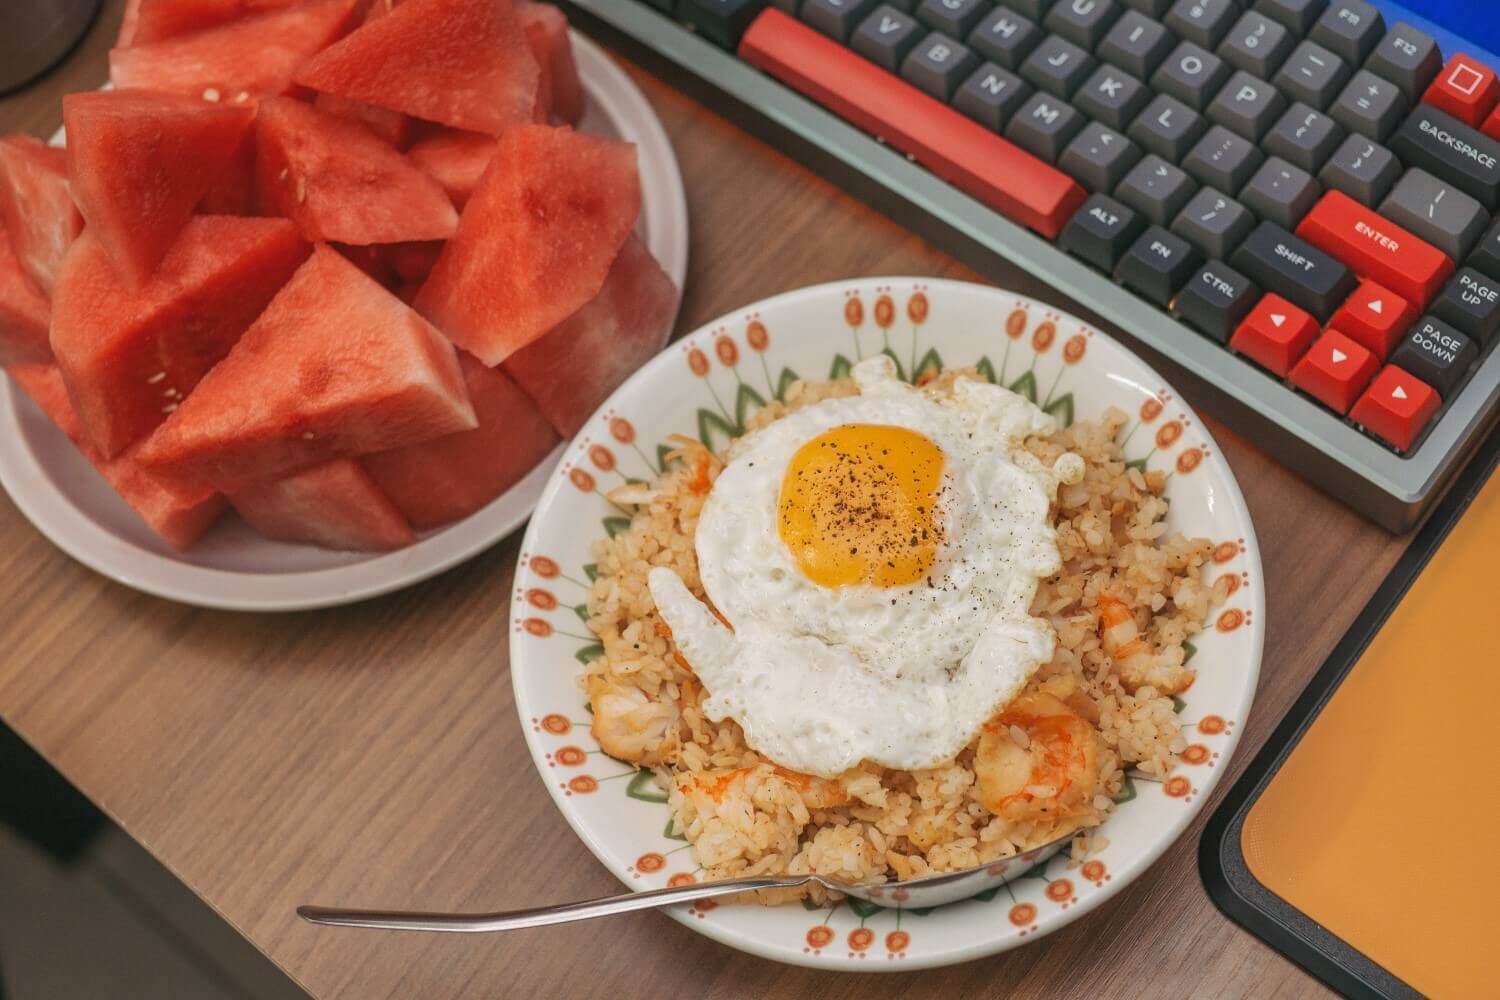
706 465
1037 760
1136 663
628 725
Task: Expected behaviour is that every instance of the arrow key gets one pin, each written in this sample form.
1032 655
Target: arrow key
1436 353
1275 334
1375 316
1334 371
1396 407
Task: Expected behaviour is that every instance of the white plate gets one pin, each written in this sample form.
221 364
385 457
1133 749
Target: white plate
232 566
702 387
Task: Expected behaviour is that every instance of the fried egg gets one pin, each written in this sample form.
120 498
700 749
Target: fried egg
872 561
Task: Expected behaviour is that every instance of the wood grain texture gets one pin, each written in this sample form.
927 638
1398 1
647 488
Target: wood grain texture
371 755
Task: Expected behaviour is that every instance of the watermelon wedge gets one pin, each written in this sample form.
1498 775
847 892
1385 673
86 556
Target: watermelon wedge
547 32
464 63
155 20
24 313
256 55
36 205
141 161
451 477
336 505
131 355
392 126
233 191
536 240
455 159
128 24
338 181
335 366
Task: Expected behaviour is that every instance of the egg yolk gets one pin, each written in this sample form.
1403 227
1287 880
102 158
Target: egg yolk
858 506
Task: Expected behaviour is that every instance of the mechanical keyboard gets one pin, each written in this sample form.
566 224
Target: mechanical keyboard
1290 200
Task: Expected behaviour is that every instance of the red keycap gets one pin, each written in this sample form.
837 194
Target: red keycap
1491 126
1275 334
1396 407
1376 247
1466 89
956 148
1374 316
1334 370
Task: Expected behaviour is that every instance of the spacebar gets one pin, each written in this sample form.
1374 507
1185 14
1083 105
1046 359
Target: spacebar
957 149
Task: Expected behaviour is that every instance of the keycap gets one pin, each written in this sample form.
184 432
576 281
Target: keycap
1191 74
1374 316
1157 264
1470 303
960 151
1034 9
1436 353
1203 22
1465 88
1334 371
886 37
1376 247
720 21
1223 160
1370 106
1057 66
1312 75
1297 16
1214 223
1436 212
1396 407
1215 300
937 65
1447 148
1275 334
1280 192
1112 96
1361 169
1407 57
1167 127
954 18
1247 106
1486 256
991 95
1156 189
1350 29
1082 22
1304 137
1101 232
1099 157
1257 45
836 18
1044 126
1005 38
1294 269
1155 9
1136 44
1491 125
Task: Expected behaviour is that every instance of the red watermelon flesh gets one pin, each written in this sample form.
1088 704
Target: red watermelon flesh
536 240
130 356
571 370
36 206
159 19
336 505
24 313
372 260
413 261
233 191
443 480
547 32
141 161
335 366
256 55
392 126
455 159
338 181
464 63
128 23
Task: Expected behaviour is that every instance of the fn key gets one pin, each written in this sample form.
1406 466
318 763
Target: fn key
1158 264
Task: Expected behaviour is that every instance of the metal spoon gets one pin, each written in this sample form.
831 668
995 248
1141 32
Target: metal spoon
931 890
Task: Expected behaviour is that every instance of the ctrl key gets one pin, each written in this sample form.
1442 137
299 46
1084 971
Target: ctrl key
1158 264
1396 407
1101 231
1215 300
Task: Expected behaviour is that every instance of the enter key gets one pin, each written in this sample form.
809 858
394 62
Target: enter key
1375 247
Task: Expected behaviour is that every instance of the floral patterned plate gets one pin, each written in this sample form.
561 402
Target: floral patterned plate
706 386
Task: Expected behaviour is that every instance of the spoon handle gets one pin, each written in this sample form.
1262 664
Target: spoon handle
540 916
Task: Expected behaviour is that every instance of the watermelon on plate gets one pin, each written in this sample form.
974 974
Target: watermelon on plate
392 126
536 240
36 205
335 366
336 505
131 355
155 20
233 191
455 159
464 63
140 162
547 32
338 181
440 481
24 312
572 369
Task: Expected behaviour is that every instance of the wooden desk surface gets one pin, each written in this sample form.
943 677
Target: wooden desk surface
371 754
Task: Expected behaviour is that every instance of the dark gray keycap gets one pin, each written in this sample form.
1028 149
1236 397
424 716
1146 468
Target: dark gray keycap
1486 256
1034 9
1280 192
1005 38
1223 160
1167 127
1437 212
1370 106
1350 29
1098 157
1363 170
1447 148
1057 66
1204 22
1257 45
1297 16
1082 22
1312 75
1191 74
1101 231
886 37
1436 353
1304 137
991 95
1112 96
790 6
837 18
1294 269
1247 106
1158 264
1136 44
1408 58
1156 9
1214 223
938 65
1216 300
1470 302
1156 189
1044 126
954 18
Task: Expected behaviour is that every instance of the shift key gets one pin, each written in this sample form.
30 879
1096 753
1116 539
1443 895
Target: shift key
1294 269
